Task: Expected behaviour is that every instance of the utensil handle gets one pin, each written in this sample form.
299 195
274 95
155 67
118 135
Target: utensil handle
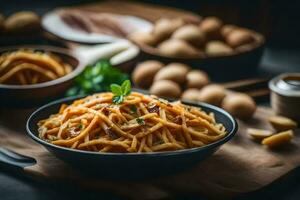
256 88
90 54
11 160
247 84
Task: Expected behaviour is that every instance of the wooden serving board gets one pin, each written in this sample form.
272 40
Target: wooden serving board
240 166
143 10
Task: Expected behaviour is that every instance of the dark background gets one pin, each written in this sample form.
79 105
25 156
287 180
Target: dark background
278 20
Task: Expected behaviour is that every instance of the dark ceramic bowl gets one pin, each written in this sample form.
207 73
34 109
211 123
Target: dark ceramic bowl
38 94
242 63
130 165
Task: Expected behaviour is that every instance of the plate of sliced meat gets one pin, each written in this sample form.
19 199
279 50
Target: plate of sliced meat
92 27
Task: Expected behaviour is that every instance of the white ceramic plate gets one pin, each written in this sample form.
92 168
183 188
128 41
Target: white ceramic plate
52 23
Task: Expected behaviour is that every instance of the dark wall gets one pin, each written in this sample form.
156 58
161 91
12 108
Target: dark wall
277 19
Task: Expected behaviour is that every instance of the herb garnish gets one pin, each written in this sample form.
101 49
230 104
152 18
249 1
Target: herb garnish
133 109
80 126
120 91
96 78
140 121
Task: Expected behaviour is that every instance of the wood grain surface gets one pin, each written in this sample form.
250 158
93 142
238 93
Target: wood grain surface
149 12
146 11
240 166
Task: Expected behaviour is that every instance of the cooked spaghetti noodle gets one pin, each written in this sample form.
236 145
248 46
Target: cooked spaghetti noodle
141 123
24 67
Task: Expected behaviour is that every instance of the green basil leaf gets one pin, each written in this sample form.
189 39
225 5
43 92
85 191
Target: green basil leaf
96 70
126 87
87 74
97 88
82 92
87 85
97 79
116 89
72 91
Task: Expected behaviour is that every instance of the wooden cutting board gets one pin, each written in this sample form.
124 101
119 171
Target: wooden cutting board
240 166
145 11
149 12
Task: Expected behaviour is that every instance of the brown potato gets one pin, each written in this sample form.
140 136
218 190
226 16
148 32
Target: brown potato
190 94
217 48
190 33
165 88
163 28
245 47
239 37
211 26
281 123
278 139
143 38
239 105
259 134
177 49
226 29
188 19
174 72
144 73
213 94
22 22
197 79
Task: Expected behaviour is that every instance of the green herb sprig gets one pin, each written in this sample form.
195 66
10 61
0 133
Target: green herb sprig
140 121
96 78
133 109
120 91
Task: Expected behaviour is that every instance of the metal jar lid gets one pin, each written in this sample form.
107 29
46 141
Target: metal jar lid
285 95
287 84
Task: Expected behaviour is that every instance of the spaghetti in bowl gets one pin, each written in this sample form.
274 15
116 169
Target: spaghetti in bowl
141 123
129 165
35 74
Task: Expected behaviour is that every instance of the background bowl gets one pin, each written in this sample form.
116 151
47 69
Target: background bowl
130 165
240 64
37 94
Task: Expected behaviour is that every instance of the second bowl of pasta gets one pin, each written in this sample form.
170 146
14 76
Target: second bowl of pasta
31 75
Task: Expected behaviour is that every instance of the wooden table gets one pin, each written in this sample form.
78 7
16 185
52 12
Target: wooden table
16 187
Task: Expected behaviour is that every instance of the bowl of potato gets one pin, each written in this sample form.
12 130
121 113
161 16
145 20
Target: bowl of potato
22 27
180 81
225 51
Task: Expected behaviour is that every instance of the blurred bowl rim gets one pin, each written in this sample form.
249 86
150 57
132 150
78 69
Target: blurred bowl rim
212 145
57 50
